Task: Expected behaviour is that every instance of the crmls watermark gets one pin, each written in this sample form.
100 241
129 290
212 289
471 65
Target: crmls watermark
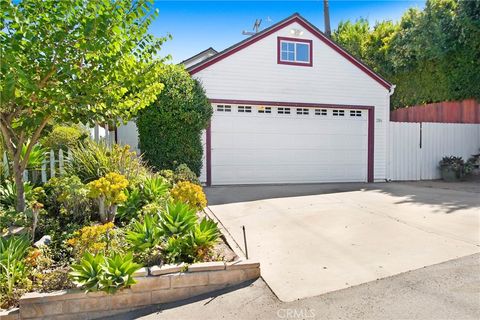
296 313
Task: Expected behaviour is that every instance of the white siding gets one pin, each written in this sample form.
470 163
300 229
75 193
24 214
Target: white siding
253 74
407 161
128 134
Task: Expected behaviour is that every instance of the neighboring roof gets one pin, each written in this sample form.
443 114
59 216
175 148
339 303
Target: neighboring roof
268 31
207 53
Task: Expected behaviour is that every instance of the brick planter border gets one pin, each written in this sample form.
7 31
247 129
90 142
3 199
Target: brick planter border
154 286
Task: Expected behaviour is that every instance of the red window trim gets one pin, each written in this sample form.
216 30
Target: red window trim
293 63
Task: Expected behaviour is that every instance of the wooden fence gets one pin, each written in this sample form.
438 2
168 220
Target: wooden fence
466 111
53 165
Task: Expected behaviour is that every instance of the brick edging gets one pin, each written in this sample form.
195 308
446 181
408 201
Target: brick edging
154 285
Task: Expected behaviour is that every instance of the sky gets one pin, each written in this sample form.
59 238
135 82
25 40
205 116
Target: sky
197 25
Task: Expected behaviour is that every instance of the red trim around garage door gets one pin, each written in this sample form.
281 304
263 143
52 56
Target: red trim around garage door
370 135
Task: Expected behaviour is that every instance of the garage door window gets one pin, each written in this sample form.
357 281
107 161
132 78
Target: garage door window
264 109
338 113
283 111
320 112
224 108
247 109
355 113
302 111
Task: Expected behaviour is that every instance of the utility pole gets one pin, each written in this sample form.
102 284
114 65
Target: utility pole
326 15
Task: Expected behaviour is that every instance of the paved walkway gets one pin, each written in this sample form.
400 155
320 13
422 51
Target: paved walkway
314 239
449 290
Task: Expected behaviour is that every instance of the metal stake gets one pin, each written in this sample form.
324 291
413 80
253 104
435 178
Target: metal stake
245 241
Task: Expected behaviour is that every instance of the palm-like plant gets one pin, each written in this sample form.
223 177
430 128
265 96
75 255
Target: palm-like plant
37 156
178 219
145 235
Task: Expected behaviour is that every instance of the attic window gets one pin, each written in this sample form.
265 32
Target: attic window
294 51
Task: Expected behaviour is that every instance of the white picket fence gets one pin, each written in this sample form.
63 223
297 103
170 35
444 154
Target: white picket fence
416 148
52 165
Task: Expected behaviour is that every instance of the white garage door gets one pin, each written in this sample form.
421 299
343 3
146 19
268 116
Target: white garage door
256 144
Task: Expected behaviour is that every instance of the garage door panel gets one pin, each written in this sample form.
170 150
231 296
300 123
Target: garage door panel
273 148
287 156
286 174
285 140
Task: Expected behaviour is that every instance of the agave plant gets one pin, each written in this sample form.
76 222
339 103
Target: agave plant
155 188
175 249
129 209
12 266
88 271
118 272
203 238
145 235
178 219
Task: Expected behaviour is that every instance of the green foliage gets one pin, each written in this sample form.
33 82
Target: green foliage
98 272
12 266
8 193
203 237
145 235
67 196
430 55
91 161
155 188
178 219
88 271
84 62
129 209
118 272
65 137
170 129
183 173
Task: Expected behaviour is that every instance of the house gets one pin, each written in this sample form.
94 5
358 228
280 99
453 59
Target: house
292 106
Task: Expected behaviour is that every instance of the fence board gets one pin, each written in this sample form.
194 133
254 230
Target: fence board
407 160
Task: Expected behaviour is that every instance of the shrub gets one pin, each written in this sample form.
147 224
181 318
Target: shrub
67 196
109 191
91 161
65 137
203 238
101 273
183 173
189 193
95 239
170 129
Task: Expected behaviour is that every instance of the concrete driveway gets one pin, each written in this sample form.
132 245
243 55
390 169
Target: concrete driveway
313 239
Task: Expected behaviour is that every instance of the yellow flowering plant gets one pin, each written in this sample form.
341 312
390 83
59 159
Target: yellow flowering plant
94 239
189 193
110 192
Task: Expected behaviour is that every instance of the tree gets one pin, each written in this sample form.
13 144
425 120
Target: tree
72 61
170 129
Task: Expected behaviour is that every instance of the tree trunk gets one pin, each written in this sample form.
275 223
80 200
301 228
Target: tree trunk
18 174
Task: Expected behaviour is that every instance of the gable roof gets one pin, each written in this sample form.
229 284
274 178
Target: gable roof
280 25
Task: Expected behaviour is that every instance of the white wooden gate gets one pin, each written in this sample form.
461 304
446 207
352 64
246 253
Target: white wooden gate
416 148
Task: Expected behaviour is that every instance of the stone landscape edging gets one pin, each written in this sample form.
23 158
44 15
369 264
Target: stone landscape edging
150 289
